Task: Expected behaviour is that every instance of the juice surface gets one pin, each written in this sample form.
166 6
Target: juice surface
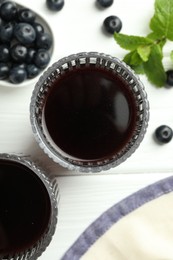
89 113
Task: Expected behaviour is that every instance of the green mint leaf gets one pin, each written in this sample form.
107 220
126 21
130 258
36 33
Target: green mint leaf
162 21
131 42
154 68
132 58
144 52
157 39
134 61
139 69
153 36
171 56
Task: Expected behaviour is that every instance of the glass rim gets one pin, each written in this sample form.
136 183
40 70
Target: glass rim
76 60
51 186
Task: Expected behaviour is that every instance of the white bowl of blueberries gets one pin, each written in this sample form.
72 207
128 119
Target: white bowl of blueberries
26 45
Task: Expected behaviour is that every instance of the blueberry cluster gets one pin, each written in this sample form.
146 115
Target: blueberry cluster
24 44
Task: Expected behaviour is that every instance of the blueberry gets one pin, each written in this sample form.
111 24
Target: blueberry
44 41
112 24
164 134
19 65
32 71
4 53
1 21
26 15
4 70
6 32
24 33
55 5
18 52
17 75
8 10
2 1
105 3
38 28
42 58
169 77
30 55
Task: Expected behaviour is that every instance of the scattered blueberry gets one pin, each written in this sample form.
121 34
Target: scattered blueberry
42 58
112 24
24 33
4 53
18 52
164 134
32 71
169 78
17 75
55 5
4 70
105 3
44 41
8 10
26 15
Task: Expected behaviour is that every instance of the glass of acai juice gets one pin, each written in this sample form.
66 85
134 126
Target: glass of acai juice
89 112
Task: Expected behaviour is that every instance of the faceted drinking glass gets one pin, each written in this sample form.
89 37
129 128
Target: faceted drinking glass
89 112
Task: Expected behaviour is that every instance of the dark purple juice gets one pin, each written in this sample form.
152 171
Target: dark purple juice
24 208
90 113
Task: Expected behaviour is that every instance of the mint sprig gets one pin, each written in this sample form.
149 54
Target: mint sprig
162 21
145 54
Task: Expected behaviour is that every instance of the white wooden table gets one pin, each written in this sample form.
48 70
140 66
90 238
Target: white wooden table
77 27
